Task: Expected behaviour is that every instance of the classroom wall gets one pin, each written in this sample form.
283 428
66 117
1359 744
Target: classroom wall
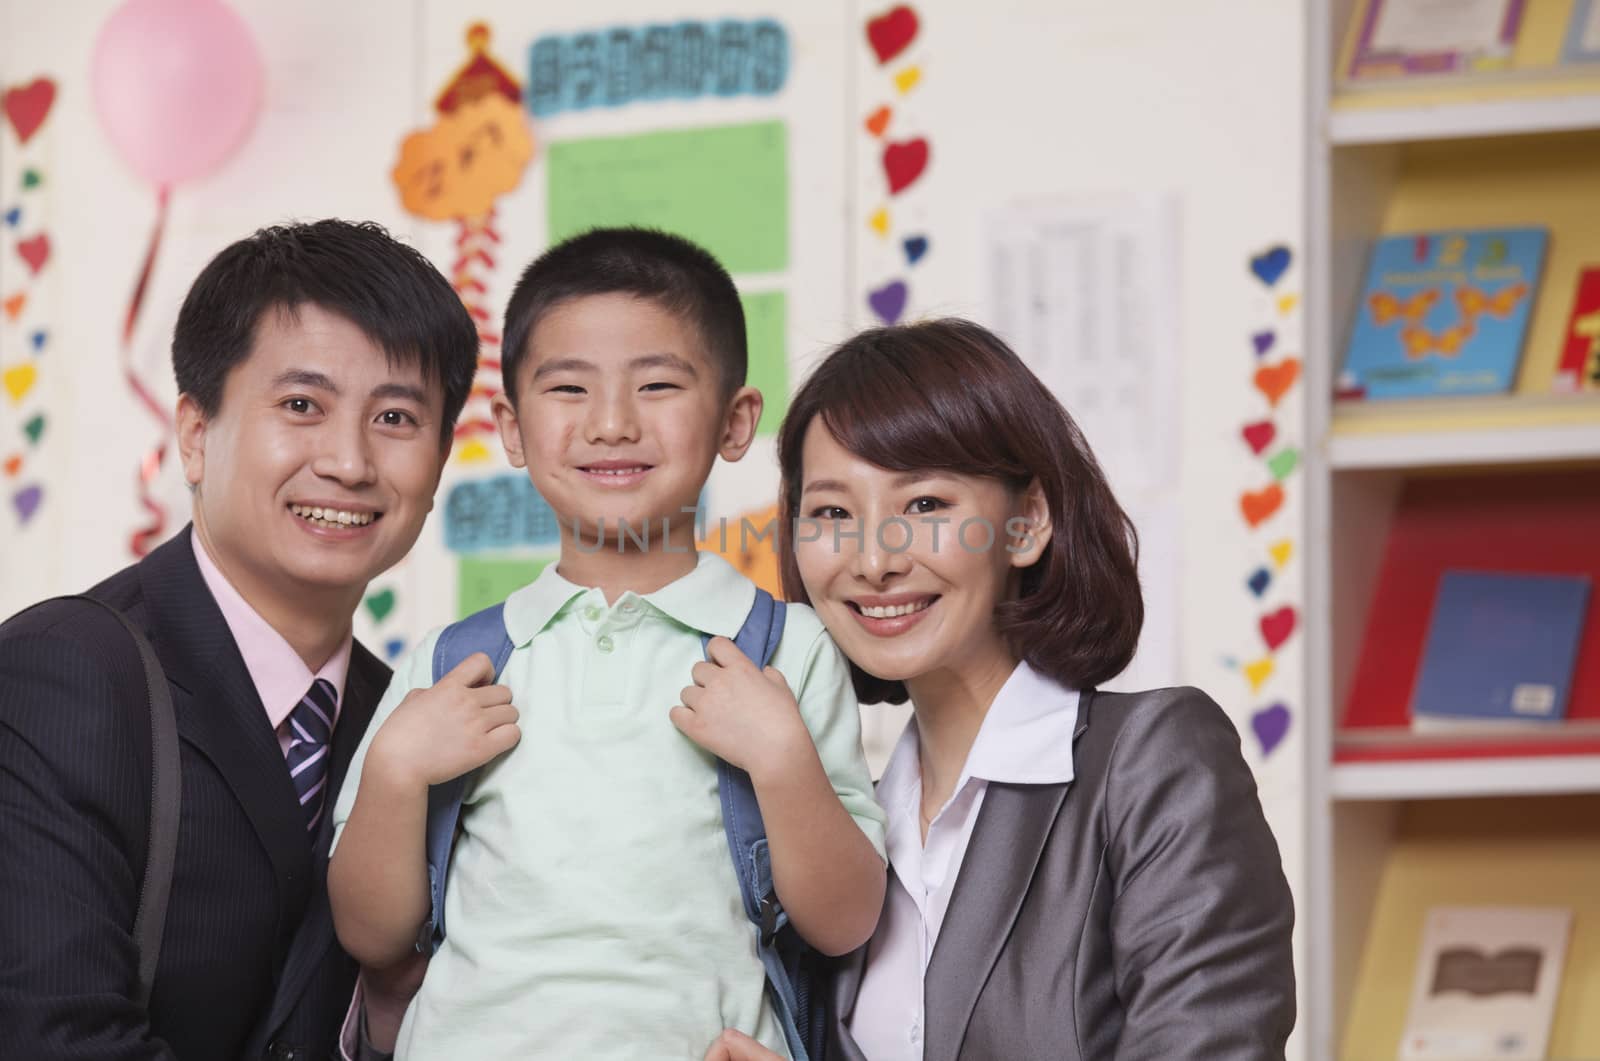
1164 135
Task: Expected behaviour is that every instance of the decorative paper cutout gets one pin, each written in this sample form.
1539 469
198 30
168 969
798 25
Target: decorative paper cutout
907 79
1258 436
879 221
34 252
1276 627
1281 552
1258 506
1274 381
877 122
392 648
1287 303
904 162
39 338
915 247
1283 463
380 604
13 305
1263 341
19 381
31 178
889 301
27 501
473 451
485 580
13 465
892 32
766 326
1270 265
14 216
34 428
752 552
500 512
28 106
1270 725
1258 671
1259 580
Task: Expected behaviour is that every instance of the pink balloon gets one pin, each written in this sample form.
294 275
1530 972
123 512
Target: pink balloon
177 84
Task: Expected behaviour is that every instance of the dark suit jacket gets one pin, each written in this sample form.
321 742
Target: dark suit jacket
1139 912
249 963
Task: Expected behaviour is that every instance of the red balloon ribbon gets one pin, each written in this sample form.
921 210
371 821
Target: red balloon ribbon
150 463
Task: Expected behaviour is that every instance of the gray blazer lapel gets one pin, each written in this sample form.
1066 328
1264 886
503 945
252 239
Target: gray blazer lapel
995 873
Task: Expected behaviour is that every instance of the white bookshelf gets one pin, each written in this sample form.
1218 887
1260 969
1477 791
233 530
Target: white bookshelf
1360 457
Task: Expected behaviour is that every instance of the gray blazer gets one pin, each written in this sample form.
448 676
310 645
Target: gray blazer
1139 912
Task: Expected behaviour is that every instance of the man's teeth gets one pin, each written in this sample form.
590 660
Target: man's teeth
332 517
894 611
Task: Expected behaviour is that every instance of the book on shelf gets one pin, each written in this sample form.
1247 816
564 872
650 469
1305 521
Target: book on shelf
1486 983
1443 313
1416 38
1579 369
1582 44
1500 651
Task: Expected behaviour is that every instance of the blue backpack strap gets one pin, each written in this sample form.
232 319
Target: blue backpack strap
484 632
747 837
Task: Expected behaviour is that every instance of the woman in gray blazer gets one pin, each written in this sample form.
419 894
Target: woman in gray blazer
1074 874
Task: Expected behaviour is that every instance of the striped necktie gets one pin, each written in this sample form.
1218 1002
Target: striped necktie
310 730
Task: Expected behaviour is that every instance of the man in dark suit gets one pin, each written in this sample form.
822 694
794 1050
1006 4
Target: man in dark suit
321 368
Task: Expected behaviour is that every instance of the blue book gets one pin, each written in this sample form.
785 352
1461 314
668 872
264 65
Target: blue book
1500 650
1443 313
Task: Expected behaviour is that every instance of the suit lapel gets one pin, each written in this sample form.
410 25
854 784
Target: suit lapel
223 715
363 685
995 873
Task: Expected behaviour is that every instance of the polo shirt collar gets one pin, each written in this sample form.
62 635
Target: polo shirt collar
713 599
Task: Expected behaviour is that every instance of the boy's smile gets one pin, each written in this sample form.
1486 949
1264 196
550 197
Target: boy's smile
620 414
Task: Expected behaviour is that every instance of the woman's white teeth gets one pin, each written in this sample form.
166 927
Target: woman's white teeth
332 517
895 611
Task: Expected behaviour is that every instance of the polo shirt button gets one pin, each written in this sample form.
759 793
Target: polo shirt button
915 1035
604 643
591 613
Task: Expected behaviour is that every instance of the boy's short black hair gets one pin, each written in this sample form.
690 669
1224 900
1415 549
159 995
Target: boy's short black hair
680 276
354 269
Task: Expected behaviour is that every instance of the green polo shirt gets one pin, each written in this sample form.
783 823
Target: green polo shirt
592 908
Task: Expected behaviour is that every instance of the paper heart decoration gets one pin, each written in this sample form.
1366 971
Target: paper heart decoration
34 428
1257 672
1270 725
878 121
904 162
892 32
35 252
1259 580
1259 505
907 79
473 451
13 305
13 465
27 107
1283 463
1281 551
19 381
1287 303
1258 436
27 501
14 216
915 247
31 178
392 648
879 221
1263 341
39 338
1270 265
889 301
381 604
1274 381
1276 627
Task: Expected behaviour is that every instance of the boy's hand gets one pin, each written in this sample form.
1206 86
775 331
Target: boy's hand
445 731
738 713
737 1046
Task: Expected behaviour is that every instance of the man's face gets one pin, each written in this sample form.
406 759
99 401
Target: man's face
319 466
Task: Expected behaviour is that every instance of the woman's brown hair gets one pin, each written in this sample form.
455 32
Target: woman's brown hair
951 395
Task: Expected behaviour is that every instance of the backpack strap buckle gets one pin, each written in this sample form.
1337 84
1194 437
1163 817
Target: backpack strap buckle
771 912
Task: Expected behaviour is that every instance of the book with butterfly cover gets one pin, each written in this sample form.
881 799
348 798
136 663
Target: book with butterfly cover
1444 313
1486 983
1579 369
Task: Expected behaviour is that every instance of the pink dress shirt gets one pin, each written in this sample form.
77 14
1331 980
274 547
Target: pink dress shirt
1025 738
280 676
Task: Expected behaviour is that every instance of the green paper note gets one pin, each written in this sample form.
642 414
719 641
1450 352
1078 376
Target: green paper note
766 323
489 580
725 187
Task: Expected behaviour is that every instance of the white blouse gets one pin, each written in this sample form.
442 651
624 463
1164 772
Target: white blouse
1025 738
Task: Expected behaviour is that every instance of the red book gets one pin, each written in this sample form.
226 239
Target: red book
1580 356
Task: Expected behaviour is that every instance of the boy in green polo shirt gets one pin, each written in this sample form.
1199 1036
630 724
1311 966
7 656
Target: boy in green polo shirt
592 906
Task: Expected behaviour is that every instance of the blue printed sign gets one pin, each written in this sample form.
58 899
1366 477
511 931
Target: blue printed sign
630 64
498 513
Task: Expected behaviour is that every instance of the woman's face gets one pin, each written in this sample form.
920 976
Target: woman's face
905 568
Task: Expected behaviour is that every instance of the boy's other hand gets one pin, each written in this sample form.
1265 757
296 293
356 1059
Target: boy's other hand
740 713
737 1046
454 727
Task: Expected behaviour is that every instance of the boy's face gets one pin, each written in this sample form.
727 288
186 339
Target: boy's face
314 418
620 414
